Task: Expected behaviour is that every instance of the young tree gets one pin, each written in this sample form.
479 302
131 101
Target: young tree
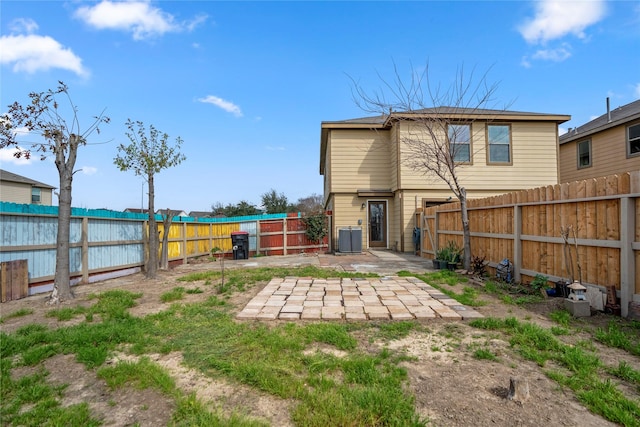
43 116
147 155
435 144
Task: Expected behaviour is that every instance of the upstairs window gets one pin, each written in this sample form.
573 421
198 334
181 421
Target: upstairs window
499 143
584 154
35 195
460 142
633 140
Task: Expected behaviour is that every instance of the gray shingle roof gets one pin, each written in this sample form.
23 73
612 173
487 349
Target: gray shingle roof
381 119
13 177
617 117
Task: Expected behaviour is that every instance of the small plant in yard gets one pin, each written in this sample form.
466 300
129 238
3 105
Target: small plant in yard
484 354
216 251
18 313
540 283
479 266
173 295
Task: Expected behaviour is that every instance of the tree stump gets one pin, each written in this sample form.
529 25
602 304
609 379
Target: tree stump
518 389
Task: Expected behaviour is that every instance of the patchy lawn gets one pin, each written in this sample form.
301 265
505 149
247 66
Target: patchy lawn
133 351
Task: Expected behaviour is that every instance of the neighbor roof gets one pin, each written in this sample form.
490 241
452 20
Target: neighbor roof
615 117
13 177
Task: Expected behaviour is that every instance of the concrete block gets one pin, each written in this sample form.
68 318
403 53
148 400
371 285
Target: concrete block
577 308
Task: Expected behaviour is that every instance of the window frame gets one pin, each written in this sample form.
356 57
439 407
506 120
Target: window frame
589 152
489 144
35 190
469 143
635 140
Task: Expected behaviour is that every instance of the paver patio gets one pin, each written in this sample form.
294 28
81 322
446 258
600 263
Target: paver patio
390 298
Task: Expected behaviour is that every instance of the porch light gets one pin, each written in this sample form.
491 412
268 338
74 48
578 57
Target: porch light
364 205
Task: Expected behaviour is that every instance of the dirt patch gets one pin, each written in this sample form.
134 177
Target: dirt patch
451 387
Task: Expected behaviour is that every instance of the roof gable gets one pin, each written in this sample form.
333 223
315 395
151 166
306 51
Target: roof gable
13 177
616 117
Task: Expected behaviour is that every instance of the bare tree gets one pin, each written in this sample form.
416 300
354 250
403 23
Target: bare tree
439 125
147 155
43 116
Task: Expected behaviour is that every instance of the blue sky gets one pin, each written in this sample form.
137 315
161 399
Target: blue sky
247 84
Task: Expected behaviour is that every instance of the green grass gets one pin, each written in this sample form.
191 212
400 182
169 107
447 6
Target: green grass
469 295
18 313
31 401
66 313
581 368
346 386
484 354
173 295
357 389
238 279
561 317
620 336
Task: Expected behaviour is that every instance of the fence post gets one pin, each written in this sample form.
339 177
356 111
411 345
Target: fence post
627 259
258 222
284 236
185 256
517 242
85 250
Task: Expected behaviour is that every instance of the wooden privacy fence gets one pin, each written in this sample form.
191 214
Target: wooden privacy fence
602 215
106 244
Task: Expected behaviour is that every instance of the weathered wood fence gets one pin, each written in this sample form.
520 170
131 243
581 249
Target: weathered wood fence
105 244
602 216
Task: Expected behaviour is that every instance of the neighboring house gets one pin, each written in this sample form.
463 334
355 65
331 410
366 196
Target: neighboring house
137 210
19 189
203 214
607 145
367 183
175 212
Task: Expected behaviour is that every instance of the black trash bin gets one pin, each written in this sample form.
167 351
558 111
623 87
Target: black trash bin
240 242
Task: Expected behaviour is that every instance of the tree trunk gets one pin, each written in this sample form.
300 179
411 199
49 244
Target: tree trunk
166 224
518 389
152 265
62 278
466 233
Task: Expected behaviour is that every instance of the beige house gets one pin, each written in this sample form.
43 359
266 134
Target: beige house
19 189
607 145
369 187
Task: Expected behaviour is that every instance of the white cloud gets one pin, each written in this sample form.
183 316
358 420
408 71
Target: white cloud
555 55
23 25
89 170
31 53
557 18
272 148
7 155
227 106
137 17
636 92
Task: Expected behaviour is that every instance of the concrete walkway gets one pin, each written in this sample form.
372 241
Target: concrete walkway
385 298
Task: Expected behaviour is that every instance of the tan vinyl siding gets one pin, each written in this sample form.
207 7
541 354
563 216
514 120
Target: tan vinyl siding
534 164
359 159
15 192
608 156
393 160
347 211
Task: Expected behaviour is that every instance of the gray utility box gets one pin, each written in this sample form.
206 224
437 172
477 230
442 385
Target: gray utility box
350 240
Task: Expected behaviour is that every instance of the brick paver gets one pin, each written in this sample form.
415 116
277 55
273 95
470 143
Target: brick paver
395 298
